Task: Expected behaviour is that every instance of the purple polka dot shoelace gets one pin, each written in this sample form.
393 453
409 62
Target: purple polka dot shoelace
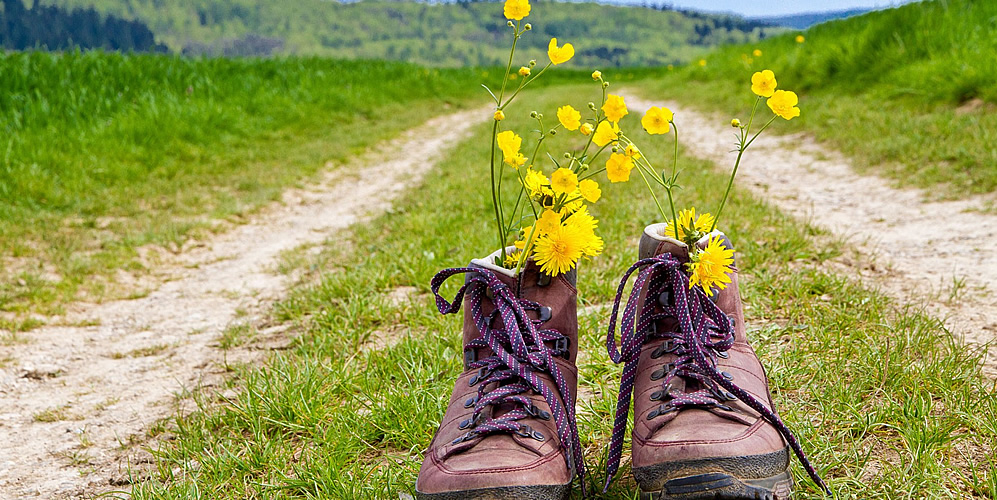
519 355
705 333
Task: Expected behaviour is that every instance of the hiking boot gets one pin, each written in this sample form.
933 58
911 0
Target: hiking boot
704 422
509 430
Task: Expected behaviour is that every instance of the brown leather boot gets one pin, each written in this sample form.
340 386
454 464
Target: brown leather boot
704 422
509 430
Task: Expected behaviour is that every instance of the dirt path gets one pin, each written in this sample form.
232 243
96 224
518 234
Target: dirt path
942 254
74 401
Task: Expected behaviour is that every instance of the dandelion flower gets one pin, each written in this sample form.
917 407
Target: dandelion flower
757 52
800 39
548 222
589 189
783 103
557 54
569 117
618 168
656 120
586 128
511 259
763 83
557 252
711 266
688 219
615 108
516 9
605 133
581 220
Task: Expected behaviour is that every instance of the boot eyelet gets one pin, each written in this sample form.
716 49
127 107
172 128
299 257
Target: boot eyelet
661 372
666 298
659 411
466 437
543 279
470 402
658 395
722 354
545 314
561 347
482 374
667 347
470 356
528 432
727 376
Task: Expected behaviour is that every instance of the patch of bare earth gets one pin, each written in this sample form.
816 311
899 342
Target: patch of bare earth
77 402
940 254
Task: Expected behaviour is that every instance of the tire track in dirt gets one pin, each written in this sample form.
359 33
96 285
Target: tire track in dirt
940 254
76 402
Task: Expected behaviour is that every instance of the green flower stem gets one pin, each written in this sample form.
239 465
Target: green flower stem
508 68
523 85
592 174
653 197
495 200
671 182
526 248
737 162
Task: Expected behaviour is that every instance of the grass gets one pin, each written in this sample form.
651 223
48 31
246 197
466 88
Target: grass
909 91
155 150
885 401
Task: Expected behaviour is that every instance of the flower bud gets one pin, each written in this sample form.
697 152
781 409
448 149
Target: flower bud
605 85
567 156
524 71
509 24
533 114
540 116
596 75
499 115
735 123
584 166
533 62
616 149
592 106
553 131
528 26
586 128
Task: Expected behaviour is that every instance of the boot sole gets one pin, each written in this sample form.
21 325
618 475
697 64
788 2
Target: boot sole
753 477
540 492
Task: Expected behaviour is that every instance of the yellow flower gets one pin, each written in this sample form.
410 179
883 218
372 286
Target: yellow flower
702 62
524 71
516 9
535 181
510 143
499 115
688 218
586 224
735 123
656 120
631 152
511 259
783 103
557 54
558 251
763 83
615 108
563 180
757 53
521 243
596 75
548 222
569 117
711 266
606 132
800 39
589 190
618 168
586 128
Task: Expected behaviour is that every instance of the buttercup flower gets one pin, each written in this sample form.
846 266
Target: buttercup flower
517 160
763 83
606 132
524 71
557 54
614 108
557 252
509 143
516 9
800 39
631 152
586 128
712 266
499 115
569 117
535 182
596 75
656 120
563 180
618 168
757 53
548 222
589 190
687 218
702 62
735 123
783 103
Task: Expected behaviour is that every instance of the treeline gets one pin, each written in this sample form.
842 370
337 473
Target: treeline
463 33
53 28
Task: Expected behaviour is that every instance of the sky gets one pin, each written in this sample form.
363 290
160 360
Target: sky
764 8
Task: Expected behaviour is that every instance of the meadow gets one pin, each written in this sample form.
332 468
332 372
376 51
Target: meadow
910 91
107 155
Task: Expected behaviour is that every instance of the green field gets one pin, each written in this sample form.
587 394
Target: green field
448 34
104 154
909 91
866 382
